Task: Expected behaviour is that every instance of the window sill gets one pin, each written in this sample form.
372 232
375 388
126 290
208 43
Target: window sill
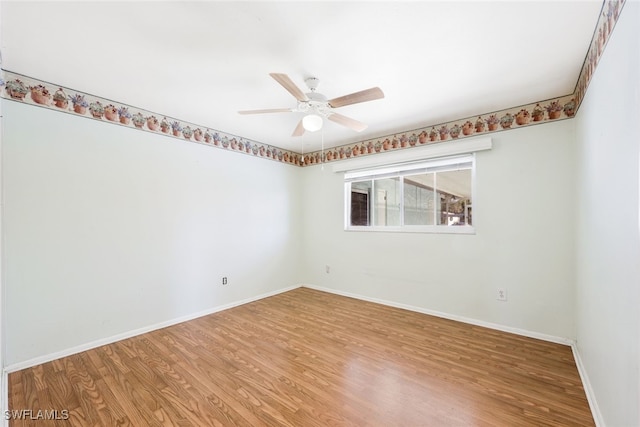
429 229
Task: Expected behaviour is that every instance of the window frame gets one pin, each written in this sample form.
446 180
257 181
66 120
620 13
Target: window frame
400 170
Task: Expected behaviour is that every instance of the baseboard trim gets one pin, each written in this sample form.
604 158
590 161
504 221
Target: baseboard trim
588 389
118 337
471 321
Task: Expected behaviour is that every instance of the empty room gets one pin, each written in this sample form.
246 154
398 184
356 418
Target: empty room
320 213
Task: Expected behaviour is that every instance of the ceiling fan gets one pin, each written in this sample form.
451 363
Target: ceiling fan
316 106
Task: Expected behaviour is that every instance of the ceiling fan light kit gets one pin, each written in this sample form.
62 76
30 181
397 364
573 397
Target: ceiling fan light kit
312 122
316 107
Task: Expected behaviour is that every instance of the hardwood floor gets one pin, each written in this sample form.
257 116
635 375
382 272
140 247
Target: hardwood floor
309 358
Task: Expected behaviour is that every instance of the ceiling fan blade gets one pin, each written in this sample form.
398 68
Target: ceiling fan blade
289 85
299 130
356 97
269 110
348 122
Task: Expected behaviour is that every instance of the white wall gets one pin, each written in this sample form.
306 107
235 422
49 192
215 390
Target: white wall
608 228
3 384
524 215
108 229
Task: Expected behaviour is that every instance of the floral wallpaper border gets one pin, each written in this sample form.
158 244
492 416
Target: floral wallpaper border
17 87
21 88
611 10
532 114
563 107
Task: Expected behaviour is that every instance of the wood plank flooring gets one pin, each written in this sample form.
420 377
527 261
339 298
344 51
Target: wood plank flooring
309 358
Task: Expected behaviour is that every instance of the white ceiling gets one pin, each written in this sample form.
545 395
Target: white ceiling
203 61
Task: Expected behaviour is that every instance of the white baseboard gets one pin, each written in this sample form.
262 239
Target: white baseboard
476 322
588 390
104 341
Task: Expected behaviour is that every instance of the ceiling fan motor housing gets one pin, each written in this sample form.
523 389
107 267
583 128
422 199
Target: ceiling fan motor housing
317 103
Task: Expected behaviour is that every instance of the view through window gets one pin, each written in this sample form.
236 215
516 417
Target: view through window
424 196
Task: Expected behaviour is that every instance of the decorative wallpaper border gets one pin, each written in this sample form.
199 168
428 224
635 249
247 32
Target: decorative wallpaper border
21 88
532 114
43 94
554 109
611 10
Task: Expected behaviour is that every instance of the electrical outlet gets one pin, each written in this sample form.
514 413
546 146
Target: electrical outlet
327 269
502 294
224 280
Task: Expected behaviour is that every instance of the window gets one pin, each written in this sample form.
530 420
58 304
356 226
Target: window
426 196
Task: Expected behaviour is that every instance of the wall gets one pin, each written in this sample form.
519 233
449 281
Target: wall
524 215
109 229
608 227
3 385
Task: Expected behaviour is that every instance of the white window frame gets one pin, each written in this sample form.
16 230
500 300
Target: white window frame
403 159
466 161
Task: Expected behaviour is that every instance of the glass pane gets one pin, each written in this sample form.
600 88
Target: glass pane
360 195
454 194
419 199
386 201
